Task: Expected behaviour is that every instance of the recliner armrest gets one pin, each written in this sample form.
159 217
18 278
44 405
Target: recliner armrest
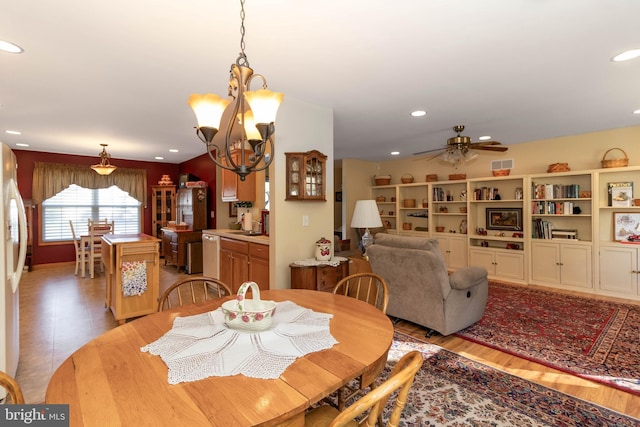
467 277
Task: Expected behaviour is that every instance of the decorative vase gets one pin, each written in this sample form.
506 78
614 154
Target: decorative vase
323 249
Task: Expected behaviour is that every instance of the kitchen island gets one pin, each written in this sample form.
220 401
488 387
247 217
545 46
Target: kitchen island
132 272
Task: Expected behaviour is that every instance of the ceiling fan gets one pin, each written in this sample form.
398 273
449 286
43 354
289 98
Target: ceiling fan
457 148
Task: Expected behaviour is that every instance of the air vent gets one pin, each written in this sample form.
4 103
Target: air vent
501 164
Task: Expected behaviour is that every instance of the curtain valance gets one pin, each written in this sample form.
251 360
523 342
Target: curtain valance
51 178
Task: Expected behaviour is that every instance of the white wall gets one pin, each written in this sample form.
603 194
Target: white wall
300 127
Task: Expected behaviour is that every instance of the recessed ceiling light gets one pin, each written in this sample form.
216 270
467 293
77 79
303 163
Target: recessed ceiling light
21 144
13 132
626 55
484 138
10 47
418 113
159 158
636 112
173 150
395 153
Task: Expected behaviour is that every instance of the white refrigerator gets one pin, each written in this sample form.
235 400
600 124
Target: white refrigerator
13 251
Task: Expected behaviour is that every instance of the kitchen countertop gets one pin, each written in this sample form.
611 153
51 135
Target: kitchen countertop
238 235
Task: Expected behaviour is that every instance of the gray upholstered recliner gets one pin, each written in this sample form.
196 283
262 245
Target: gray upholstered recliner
420 288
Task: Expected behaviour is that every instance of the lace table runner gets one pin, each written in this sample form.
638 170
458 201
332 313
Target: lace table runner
202 346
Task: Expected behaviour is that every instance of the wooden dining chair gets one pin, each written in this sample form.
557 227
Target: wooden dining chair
371 288
14 393
401 379
192 290
367 287
96 229
77 245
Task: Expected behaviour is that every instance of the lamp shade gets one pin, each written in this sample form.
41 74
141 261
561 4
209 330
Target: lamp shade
366 215
208 109
264 104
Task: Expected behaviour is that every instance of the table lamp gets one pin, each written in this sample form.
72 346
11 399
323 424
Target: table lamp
366 215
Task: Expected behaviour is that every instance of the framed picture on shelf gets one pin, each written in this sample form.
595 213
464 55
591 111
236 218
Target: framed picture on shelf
620 194
504 219
626 227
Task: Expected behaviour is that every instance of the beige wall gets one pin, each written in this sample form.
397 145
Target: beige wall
300 127
581 152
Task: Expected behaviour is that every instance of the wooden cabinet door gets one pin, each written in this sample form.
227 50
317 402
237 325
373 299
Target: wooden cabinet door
576 266
545 262
240 270
457 252
509 264
619 270
483 258
232 189
259 265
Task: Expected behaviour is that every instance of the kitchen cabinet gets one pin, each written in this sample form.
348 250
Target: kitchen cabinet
306 176
454 250
163 207
192 207
321 277
500 263
232 189
242 261
565 264
174 245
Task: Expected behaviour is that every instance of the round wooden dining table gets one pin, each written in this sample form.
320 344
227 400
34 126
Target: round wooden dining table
111 382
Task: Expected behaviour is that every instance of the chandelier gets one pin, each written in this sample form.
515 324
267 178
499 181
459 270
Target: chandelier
104 167
238 129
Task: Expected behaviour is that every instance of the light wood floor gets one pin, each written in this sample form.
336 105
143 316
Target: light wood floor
61 312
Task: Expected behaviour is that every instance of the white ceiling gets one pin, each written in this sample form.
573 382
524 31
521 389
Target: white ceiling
119 72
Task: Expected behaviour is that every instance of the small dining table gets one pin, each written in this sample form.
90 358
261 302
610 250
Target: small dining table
110 381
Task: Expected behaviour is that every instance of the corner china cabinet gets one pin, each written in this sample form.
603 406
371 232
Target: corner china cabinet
163 207
306 176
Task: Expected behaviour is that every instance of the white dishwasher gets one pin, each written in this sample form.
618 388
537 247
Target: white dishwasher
210 255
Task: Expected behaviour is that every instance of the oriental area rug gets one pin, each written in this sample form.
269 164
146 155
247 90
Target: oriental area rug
451 390
593 339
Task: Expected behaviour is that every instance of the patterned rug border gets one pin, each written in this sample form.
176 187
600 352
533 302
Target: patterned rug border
593 409
617 321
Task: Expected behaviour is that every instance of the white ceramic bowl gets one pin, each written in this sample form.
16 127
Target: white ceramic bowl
249 315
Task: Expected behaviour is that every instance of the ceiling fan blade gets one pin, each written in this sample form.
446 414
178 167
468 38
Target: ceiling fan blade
489 148
429 151
485 143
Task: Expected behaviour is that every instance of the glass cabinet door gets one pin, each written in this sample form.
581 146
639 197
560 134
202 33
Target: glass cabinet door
306 175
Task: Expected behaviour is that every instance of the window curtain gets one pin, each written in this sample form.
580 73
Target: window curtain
51 178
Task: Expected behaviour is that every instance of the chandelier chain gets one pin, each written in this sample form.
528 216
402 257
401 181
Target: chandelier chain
242 58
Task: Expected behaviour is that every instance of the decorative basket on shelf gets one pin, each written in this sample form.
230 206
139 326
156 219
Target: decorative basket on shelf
432 177
457 176
249 315
409 203
615 163
558 167
382 180
501 172
406 178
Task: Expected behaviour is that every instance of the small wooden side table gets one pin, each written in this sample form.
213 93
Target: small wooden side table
320 277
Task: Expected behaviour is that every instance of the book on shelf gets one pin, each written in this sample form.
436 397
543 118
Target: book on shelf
555 191
620 194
